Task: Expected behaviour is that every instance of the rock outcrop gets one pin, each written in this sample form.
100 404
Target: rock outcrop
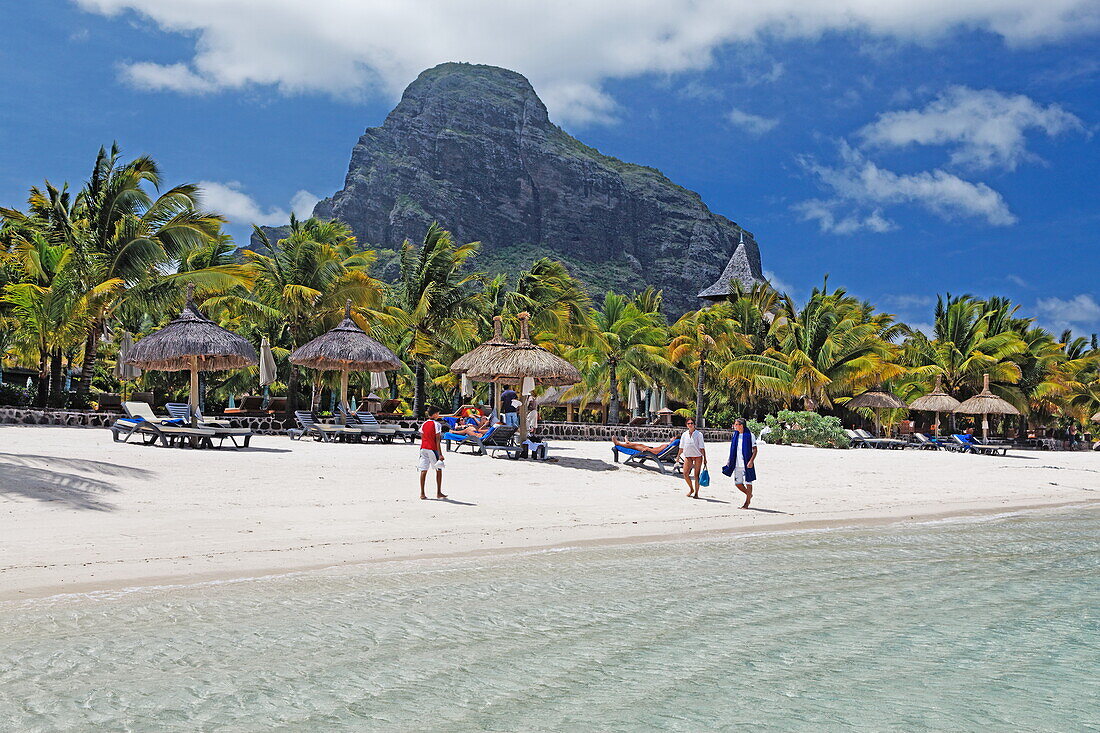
472 147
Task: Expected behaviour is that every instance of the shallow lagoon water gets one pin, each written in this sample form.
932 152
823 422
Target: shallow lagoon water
989 624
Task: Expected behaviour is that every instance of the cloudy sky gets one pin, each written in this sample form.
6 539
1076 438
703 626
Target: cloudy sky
904 147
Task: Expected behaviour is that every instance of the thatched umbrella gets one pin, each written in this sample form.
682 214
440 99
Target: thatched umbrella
936 401
986 403
192 341
346 348
480 353
523 360
875 399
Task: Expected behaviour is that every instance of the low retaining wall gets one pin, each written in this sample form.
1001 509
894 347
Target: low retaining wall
271 425
643 433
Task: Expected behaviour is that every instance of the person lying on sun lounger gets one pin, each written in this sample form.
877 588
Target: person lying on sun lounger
477 427
642 447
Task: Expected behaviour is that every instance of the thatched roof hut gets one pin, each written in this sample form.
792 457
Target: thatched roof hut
522 360
876 399
743 267
936 401
479 354
192 341
345 348
987 403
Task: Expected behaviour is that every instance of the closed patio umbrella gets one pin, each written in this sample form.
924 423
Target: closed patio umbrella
194 342
936 401
985 403
632 397
268 371
378 382
345 348
125 372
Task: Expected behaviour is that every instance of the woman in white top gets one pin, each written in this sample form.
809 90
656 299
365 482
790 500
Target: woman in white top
694 455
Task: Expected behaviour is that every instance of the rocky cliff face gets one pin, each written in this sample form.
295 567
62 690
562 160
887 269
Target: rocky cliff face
472 147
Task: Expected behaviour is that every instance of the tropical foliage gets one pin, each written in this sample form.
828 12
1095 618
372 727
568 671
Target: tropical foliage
79 269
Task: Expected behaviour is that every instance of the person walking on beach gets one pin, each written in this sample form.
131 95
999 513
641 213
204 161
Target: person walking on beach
694 455
431 456
742 460
508 398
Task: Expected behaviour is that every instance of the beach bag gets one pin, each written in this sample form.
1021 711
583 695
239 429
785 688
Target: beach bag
704 478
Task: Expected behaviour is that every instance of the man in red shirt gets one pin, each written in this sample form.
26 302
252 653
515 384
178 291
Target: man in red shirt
431 456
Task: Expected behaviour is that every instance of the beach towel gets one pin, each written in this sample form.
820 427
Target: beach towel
746 453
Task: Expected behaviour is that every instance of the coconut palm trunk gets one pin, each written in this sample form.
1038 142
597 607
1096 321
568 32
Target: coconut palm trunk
55 379
613 393
700 378
87 367
418 390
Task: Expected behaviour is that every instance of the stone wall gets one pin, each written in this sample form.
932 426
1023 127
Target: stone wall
270 425
642 434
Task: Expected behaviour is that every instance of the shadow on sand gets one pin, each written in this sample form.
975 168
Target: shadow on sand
34 477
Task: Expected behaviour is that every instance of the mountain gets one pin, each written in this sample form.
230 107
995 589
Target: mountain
472 147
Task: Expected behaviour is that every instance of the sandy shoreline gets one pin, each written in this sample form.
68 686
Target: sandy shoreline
79 513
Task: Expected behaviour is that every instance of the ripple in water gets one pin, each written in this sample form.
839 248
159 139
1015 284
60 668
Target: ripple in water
989 625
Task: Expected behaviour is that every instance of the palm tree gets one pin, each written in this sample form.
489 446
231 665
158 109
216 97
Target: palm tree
625 343
433 306
123 234
301 286
703 340
832 347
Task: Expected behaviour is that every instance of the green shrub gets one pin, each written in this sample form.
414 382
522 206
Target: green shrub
16 396
788 426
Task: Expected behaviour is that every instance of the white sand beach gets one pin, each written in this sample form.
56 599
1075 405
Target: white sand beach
79 513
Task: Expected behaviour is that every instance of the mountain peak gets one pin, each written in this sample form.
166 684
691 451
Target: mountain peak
472 147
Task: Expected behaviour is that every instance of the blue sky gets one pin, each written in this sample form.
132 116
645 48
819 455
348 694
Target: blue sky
909 149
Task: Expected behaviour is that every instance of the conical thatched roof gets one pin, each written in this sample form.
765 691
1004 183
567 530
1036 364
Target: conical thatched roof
525 359
987 403
346 348
876 399
935 401
477 357
190 335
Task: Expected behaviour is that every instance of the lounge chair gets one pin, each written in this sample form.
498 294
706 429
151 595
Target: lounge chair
251 406
968 444
368 429
640 458
858 441
925 442
141 420
222 430
882 442
277 406
498 436
108 402
326 432
409 435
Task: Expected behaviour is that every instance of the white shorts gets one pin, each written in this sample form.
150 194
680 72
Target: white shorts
428 461
739 475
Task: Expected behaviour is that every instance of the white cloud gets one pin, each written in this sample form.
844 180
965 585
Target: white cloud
985 127
302 203
754 124
779 285
824 212
229 200
1080 311
1017 281
176 77
340 47
861 183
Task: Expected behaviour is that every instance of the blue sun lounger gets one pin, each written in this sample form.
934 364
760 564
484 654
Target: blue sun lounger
640 458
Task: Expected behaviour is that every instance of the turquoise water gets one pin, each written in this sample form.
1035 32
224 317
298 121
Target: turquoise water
963 625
